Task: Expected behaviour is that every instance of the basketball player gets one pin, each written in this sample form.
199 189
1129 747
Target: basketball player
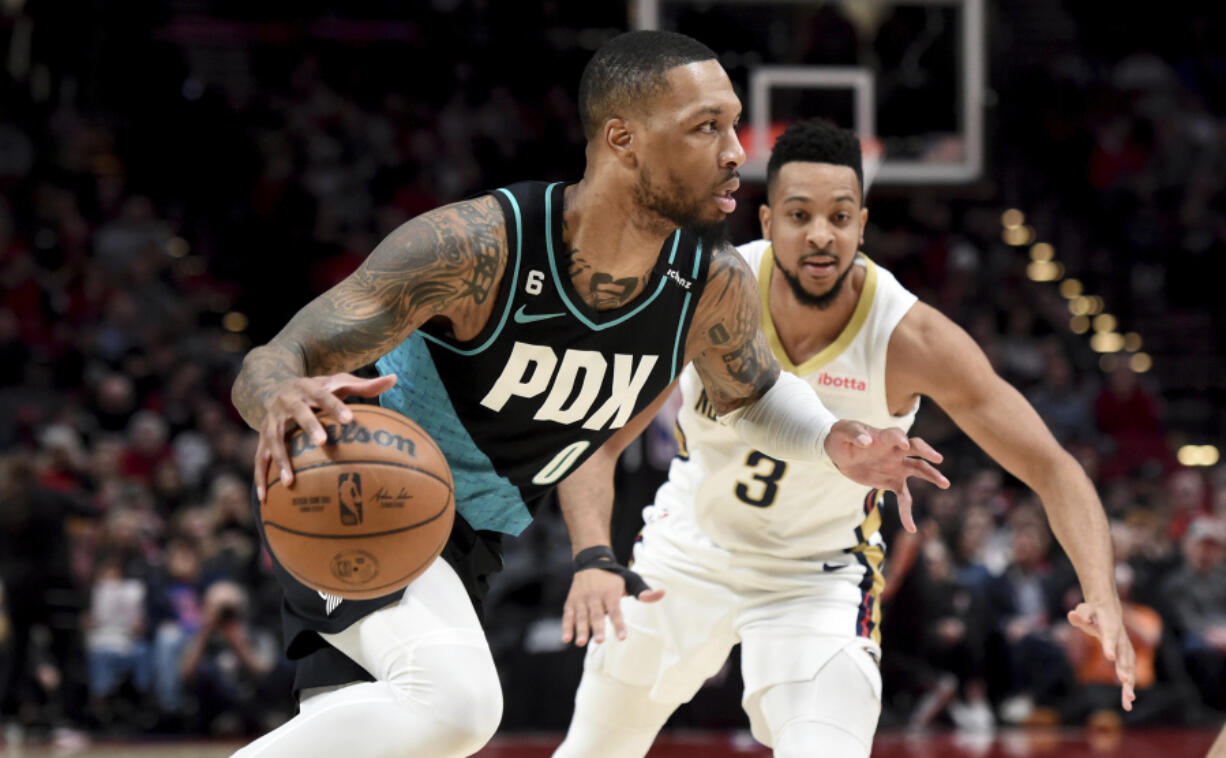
785 557
522 330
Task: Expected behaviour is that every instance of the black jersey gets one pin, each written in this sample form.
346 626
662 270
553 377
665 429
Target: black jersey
548 380
519 406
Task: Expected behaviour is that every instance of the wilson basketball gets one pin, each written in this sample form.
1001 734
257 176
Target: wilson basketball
368 511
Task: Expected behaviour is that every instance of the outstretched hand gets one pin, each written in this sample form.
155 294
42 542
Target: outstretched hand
1105 621
595 593
884 459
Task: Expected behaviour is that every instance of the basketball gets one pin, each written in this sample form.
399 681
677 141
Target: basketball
368 511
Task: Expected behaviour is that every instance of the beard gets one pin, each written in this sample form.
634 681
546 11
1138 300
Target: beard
806 298
675 209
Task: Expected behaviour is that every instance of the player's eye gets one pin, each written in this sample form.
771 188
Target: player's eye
708 126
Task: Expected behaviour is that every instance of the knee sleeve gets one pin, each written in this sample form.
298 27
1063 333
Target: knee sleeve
612 719
836 710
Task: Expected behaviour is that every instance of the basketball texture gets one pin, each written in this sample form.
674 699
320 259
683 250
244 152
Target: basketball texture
368 511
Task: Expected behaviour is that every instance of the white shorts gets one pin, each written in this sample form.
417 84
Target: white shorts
789 623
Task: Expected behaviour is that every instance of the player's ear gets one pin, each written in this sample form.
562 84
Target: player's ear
619 137
764 218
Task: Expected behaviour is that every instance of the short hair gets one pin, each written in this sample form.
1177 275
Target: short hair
816 141
631 68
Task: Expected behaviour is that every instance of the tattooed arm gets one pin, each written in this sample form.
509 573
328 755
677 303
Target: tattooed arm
445 263
725 339
777 412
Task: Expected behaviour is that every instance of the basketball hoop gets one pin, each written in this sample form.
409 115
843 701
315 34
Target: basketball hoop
871 151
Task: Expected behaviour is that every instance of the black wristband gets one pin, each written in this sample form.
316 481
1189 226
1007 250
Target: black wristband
594 557
602 557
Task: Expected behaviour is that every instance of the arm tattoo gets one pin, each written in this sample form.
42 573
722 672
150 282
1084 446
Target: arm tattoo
445 262
734 361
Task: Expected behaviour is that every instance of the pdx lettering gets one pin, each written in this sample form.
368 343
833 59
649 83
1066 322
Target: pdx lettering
533 369
354 433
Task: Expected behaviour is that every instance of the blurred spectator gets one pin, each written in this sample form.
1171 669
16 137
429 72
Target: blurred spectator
147 447
234 551
1196 593
954 646
1061 399
115 635
176 614
1128 414
1028 600
226 664
1187 500
33 559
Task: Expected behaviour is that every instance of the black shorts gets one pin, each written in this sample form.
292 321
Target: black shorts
475 556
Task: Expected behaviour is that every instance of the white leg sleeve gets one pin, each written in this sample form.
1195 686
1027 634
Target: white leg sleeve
789 421
612 719
833 714
437 692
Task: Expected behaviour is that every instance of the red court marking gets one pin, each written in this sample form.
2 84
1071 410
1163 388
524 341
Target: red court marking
1153 743
1148 743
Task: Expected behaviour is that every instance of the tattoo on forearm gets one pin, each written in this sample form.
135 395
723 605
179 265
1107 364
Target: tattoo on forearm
746 368
263 369
449 259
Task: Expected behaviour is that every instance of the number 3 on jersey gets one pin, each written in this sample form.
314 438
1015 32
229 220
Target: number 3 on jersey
767 472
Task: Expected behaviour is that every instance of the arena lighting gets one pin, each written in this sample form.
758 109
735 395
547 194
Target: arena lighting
1012 218
1044 271
1132 342
1070 288
1140 362
1104 322
234 322
1096 304
1079 306
1107 342
1042 251
1198 455
1018 236
1079 324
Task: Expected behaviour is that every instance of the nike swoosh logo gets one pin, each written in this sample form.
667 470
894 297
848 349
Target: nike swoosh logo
833 566
523 318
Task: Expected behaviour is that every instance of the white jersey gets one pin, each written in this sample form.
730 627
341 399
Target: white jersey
763 509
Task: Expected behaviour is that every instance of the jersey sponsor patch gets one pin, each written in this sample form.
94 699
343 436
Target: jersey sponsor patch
825 379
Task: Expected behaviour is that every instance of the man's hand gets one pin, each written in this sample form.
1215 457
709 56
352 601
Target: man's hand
885 459
295 404
595 593
1106 622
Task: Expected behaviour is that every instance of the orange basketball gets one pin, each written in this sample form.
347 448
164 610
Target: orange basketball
368 511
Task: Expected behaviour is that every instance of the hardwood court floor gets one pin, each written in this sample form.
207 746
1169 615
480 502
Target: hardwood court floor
1151 743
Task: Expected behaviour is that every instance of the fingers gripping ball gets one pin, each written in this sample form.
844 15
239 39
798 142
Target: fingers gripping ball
368 511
